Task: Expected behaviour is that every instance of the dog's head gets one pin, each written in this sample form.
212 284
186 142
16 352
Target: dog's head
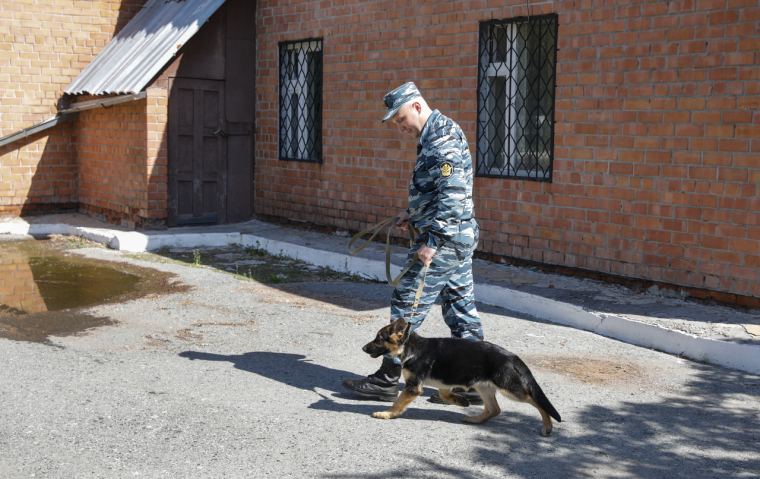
389 340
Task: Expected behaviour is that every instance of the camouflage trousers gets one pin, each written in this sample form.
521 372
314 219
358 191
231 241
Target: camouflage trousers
450 276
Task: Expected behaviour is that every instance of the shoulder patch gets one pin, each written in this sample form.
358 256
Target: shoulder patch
446 169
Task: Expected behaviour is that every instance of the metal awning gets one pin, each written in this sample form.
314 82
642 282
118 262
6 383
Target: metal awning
147 43
133 57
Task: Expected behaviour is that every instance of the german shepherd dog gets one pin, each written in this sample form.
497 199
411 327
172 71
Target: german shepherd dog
446 363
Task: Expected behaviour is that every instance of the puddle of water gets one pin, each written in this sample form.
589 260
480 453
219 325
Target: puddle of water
67 284
43 289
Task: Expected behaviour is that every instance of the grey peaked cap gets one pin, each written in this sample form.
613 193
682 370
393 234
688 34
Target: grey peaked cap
396 98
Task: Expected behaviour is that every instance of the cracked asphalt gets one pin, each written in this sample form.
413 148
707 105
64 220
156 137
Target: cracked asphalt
239 379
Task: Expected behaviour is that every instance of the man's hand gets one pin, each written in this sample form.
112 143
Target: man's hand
403 220
426 254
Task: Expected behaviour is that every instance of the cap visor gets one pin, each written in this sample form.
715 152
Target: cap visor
391 112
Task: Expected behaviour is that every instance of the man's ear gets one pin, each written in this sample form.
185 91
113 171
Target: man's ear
417 107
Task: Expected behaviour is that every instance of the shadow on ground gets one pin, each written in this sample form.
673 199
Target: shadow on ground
710 428
296 371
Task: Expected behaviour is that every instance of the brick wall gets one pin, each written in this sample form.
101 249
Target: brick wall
121 162
38 174
44 44
657 157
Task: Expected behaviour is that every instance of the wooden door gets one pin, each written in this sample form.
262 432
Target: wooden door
240 167
197 152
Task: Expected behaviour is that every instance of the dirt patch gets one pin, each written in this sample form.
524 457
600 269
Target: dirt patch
188 335
156 342
591 371
293 295
39 327
250 263
250 322
188 302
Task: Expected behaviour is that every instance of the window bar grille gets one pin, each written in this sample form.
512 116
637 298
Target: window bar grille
300 129
516 98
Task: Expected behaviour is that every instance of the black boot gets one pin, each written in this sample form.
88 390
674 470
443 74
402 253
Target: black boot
382 385
471 395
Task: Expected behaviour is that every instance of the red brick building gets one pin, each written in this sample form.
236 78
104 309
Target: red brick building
649 157
45 45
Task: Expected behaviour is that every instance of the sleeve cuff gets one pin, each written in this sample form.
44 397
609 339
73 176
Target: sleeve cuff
429 240
433 241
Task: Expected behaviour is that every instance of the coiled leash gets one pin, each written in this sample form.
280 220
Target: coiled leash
413 233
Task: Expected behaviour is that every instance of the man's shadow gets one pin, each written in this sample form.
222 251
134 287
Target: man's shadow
297 371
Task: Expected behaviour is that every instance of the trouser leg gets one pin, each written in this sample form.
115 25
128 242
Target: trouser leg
460 313
458 303
449 275
402 299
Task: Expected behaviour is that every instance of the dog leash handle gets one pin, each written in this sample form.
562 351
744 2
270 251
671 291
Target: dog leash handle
375 230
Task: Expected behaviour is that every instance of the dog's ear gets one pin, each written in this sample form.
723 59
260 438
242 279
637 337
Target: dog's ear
399 326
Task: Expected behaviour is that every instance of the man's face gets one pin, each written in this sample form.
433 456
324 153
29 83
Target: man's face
407 119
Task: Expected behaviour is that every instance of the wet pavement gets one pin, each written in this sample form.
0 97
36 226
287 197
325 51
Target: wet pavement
44 288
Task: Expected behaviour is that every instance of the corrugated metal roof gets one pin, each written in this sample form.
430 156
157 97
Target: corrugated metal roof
138 52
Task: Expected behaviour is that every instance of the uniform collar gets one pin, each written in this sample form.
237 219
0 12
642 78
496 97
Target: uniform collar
426 129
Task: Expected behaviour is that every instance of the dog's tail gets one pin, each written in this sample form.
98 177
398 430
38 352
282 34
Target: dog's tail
536 393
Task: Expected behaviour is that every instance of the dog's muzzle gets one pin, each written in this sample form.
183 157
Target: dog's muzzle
373 350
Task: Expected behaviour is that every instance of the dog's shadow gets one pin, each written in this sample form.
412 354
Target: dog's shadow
296 371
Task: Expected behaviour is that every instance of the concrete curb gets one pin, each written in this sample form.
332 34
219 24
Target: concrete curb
131 241
138 242
340 262
739 356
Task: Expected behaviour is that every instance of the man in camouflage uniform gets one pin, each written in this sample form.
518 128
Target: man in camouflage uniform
441 207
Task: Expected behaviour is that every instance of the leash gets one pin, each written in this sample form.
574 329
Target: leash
393 282
419 292
417 301
413 233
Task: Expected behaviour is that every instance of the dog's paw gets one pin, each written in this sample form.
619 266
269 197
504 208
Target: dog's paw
382 415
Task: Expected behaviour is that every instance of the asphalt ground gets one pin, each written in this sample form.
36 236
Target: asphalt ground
238 378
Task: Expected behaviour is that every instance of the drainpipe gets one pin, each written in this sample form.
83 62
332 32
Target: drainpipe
69 114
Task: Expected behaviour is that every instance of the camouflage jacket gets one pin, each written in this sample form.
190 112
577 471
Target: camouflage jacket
440 193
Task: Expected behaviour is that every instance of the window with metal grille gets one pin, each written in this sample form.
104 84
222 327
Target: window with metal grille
516 82
301 100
